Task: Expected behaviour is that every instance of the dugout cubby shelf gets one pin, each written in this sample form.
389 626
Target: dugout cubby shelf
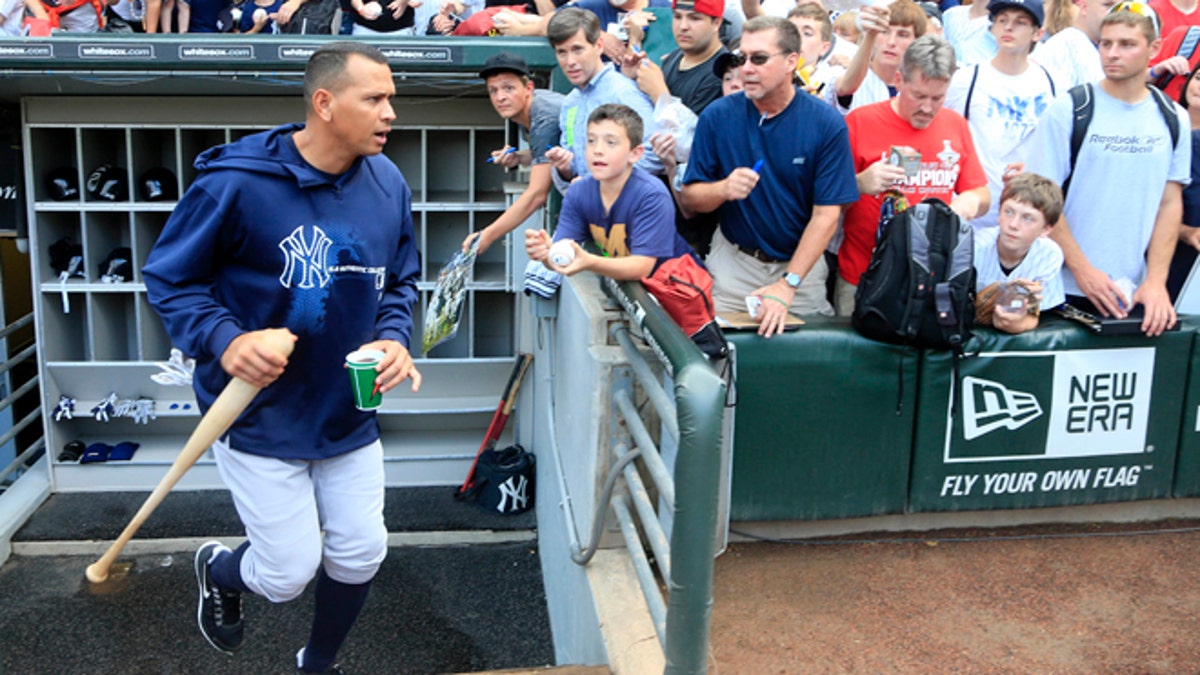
95 337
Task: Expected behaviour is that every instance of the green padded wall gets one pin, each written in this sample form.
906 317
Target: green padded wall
817 434
1187 465
1053 417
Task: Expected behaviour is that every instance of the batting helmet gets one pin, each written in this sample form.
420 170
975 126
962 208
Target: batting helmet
108 183
62 183
158 185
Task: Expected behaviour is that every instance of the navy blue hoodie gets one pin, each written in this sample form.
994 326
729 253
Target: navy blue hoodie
262 239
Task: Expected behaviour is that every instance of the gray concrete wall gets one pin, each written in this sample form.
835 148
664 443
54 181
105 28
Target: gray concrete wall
563 418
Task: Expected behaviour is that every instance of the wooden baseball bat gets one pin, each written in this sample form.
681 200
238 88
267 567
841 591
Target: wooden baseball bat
223 413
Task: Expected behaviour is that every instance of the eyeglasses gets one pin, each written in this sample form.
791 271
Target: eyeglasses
1141 9
757 58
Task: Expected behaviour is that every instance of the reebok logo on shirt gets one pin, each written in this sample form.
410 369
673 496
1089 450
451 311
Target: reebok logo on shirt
1133 145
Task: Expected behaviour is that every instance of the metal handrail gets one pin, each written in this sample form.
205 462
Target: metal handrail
26 457
694 418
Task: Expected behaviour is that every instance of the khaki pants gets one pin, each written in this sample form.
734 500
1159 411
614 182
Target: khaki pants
736 275
843 297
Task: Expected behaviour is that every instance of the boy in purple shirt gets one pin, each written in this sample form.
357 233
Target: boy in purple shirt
626 211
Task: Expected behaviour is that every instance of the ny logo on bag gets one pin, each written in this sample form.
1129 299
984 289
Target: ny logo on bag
515 489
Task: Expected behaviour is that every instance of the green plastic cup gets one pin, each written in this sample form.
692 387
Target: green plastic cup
361 365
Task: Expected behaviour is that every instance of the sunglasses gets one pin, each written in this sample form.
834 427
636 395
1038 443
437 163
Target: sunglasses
757 58
1141 9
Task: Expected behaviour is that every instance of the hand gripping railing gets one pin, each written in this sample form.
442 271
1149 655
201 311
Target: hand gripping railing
693 416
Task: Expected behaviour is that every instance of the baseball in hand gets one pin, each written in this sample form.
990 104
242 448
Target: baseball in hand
372 10
561 253
260 15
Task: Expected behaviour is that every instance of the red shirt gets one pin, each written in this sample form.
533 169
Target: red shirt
949 166
1172 85
1171 18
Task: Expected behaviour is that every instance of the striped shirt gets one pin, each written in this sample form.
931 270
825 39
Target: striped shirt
1043 263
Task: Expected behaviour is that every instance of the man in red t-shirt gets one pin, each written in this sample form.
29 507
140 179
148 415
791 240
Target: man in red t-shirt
1175 13
948 168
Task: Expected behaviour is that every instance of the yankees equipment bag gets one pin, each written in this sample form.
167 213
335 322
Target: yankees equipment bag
504 481
919 289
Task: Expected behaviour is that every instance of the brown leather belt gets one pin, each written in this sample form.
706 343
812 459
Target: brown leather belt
757 254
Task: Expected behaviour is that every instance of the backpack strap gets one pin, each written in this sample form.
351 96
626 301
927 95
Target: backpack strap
1083 107
1050 78
923 234
1167 107
1191 40
971 90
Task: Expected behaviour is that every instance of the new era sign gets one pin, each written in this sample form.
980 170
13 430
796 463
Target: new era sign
1052 405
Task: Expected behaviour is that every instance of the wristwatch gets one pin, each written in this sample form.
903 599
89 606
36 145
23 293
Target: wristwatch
793 279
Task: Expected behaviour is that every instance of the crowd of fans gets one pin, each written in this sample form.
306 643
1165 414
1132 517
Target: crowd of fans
784 134
782 188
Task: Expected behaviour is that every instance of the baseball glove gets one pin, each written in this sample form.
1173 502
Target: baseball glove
985 300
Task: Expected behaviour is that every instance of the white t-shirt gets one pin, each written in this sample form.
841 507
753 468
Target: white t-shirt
1004 112
1043 263
13 12
872 90
1117 184
972 40
1071 57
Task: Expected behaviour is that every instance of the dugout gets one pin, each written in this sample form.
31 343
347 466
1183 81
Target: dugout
139 103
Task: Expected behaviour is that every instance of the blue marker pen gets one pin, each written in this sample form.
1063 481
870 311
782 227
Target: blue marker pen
757 166
506 152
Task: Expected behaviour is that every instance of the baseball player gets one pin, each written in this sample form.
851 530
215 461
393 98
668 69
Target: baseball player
305 227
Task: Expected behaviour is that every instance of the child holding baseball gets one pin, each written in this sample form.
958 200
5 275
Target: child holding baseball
627 212
1018 253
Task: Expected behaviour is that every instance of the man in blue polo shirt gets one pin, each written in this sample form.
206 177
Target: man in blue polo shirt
778 166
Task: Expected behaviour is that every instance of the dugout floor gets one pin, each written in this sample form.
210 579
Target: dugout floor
433 608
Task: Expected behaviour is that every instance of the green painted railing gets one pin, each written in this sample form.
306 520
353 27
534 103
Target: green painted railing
699 401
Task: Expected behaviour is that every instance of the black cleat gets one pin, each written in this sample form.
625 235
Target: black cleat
219 613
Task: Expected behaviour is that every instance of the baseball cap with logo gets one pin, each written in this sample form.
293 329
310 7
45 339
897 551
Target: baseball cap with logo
1033 7
504 62
713 8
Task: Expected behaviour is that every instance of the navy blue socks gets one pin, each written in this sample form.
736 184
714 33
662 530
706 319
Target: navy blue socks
226 570
337 607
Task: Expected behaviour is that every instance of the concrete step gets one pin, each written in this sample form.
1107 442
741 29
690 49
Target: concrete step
101 516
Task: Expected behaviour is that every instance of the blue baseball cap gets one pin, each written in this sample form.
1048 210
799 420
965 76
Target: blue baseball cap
1034 7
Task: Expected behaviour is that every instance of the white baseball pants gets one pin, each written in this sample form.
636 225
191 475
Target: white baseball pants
284 506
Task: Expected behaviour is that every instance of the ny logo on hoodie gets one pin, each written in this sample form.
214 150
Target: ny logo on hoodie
304 261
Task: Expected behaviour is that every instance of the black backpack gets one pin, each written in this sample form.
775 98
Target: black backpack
919 289
314 17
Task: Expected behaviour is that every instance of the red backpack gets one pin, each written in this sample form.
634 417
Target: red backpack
684 289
